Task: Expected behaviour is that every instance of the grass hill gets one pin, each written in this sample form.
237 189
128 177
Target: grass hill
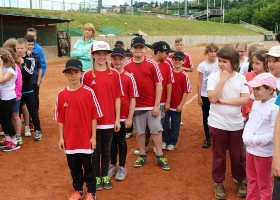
151 25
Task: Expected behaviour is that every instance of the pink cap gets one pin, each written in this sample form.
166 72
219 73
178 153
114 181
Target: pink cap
263 79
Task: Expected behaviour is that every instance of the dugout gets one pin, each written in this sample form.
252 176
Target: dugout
14 25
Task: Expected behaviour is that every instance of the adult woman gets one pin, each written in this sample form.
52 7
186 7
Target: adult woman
81 49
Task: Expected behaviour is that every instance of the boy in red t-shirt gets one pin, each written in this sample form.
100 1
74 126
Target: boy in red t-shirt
76 112
180 89
147 113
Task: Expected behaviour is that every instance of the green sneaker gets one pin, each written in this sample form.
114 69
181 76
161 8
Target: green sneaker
19 140
162 162
106 182
140 161
98 183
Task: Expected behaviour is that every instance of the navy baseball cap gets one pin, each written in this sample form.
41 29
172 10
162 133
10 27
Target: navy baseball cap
73 64
128 52
179 54
119 43
118 51
162 46
138 41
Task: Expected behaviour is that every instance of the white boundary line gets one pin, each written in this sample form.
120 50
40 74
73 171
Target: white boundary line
191 99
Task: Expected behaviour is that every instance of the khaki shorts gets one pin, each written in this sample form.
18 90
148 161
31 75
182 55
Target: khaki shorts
140 122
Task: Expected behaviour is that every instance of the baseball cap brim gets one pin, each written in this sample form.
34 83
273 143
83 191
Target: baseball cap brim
138 44
109 51
277 55
118 54
150 46
170 51
253 84
179 57
72 67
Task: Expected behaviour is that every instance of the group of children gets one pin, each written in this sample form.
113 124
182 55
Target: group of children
22 61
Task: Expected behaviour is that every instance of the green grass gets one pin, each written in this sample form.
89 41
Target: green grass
151 25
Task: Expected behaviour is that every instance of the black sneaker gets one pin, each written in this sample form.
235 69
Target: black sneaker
99 185
11 147
140 161
106 182
38 136
207 143
162 162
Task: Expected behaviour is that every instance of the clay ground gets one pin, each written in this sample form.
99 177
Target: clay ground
39 170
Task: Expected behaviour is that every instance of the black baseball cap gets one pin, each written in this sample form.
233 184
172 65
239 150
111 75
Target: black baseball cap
119 43
179 54
138 41
162 46
73 64
128 52
118 51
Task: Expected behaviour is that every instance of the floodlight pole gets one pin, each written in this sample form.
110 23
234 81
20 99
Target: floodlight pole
131 7
30 4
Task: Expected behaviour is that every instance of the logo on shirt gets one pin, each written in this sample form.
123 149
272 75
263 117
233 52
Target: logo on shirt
65 104
93 82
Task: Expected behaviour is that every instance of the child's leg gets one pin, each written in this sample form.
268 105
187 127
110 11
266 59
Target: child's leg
122 145
156 132
205 112
166 128
25 114
76 170
97 153
36 95
114 149
276 188
89 176
235 147
30 104
175 127
17 121
263 167
139 127
106 141
219 147
6 118
252 188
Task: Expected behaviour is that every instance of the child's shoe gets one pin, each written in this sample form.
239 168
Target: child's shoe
38 136
11 147
141 160
112 170
27 132
19 139
31 126
162 162
106 182
171 147
98 183
3 143
128 135
89 196
76 195
121 173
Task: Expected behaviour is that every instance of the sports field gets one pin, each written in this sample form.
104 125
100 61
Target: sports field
39 171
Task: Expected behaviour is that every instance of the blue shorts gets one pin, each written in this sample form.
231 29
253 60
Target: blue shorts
16 106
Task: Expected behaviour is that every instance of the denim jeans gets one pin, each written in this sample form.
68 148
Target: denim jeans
171 129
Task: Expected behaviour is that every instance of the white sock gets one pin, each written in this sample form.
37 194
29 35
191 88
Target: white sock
14 140
8 138
18 135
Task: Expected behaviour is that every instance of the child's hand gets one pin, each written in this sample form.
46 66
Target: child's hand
128 123
221 101
199 99
179 108
61 144
254 140
155 111
117 126
166 106
29 52
224 74
276 166
1 61
93 143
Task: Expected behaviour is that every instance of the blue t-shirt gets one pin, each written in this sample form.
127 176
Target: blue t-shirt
277 102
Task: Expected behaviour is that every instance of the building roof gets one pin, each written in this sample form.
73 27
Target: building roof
16 18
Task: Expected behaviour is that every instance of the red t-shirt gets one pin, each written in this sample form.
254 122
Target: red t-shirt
179 87
167 75
146 75
76 110
107 87
188 61
130 91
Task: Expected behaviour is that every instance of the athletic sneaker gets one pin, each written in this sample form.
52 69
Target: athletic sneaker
219 191
141 160
27 132
3 143
19 139
137 152
207 143
11 147
112 170
38 136
98 183
31 126
162 162
128 135
241 189
89 196
171 147
163 145
121 173
76 195
181 124
106 182
245 181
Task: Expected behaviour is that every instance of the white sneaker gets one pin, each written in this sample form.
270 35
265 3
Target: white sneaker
128 135
27 132
2 133
171 147
163 146
137 152
112 170
181 124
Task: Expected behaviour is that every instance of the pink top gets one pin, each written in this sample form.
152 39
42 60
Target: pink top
18 83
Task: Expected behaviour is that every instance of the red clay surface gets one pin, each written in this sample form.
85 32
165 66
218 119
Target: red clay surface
39 170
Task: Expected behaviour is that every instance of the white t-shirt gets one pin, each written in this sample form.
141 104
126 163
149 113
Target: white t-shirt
278 83
244 66
222 116
261 123
7 89
206 69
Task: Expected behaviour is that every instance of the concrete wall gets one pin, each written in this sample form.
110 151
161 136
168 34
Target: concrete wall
189 40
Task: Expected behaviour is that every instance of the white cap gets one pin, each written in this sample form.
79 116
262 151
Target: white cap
273 51
100 46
